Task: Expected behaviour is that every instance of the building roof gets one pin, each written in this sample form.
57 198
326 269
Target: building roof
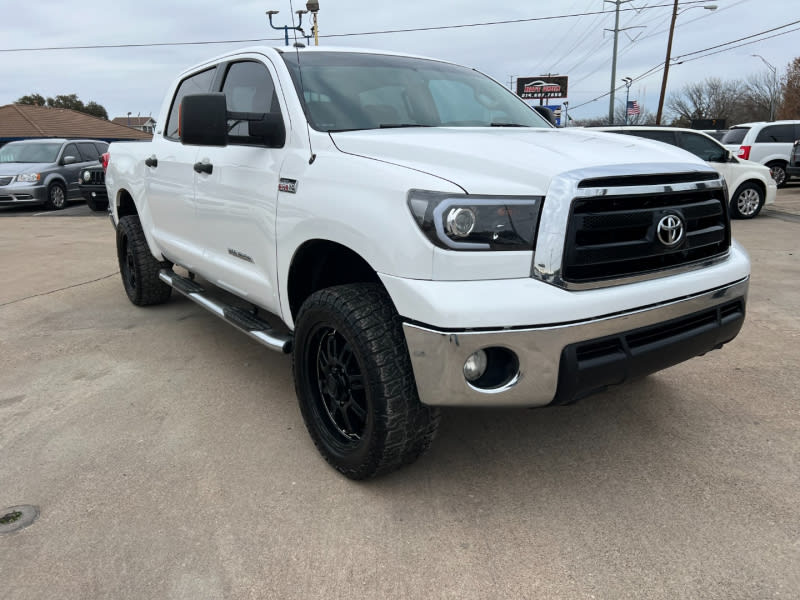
22 121
133 121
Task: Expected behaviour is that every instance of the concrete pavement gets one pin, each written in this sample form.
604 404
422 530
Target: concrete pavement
168 458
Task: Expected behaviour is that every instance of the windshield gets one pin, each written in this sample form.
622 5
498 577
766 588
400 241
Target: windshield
735 135
20 152
344 91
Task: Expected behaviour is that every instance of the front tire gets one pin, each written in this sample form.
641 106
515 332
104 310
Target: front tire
138 267
56 196
747 201
355 384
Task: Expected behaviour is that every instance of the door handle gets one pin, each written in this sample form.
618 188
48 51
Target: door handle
151 161
203 167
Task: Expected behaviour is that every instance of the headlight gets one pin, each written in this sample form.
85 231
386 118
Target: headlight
87 176
29 177
462 222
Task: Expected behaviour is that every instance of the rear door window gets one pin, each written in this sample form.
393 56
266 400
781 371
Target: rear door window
88 151
735 135
199 83
776 134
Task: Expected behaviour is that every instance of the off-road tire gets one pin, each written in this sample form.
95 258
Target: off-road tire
375 377
778 170
56 196
747 201
97 205
137 266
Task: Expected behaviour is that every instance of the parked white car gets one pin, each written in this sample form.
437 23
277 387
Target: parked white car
750 184
767 143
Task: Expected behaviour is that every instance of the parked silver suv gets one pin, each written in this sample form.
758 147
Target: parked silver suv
45 171
768 143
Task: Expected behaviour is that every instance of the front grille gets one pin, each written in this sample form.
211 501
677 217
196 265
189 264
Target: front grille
98 177
5 180
610 237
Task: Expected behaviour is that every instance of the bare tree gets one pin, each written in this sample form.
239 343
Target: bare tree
790 103
709 99
761 97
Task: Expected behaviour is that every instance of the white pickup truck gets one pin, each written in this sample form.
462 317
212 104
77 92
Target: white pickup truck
417 237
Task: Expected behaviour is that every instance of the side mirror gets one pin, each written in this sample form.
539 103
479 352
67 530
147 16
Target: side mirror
269 128
548 114
203 120
68 160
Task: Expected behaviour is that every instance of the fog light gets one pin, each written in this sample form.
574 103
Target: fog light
475 365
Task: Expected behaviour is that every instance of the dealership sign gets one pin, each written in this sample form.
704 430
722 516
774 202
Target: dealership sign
543 87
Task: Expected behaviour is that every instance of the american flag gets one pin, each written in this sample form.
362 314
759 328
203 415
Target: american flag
633 108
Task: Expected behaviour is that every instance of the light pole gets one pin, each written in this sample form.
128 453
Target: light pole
313 8
628 82
566 114
669 54
774 87
286 28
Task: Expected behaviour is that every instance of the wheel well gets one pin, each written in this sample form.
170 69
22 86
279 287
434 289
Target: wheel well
318 264
778 161
759 184
125 205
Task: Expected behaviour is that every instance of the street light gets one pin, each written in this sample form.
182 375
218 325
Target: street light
774 83
286 28
669 54
628 83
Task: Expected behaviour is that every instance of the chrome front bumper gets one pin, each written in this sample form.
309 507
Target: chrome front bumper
548 368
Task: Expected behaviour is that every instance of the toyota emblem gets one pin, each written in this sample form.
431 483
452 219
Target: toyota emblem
670 230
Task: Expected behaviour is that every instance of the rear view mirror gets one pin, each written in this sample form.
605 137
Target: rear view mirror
548 114
269 128
203 120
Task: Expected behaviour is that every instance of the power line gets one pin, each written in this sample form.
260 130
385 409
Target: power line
660 66
333 35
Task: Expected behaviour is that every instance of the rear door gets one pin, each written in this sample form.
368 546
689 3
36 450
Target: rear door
237 201
773 142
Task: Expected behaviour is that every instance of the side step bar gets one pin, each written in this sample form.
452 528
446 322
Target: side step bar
251 324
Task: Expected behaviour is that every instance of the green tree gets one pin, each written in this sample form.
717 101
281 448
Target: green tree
70 101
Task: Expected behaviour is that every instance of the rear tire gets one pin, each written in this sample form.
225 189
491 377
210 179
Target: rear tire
778 171
138 267
355 384
56 196
747 201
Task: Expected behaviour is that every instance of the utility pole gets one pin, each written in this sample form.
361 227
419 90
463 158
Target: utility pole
666 64
616 31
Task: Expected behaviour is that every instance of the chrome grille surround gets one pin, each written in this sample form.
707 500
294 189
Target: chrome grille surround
608 184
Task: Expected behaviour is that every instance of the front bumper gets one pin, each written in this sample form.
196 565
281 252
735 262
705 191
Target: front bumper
23 194
563 363
90 192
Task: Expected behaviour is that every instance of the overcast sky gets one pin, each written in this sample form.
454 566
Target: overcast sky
135 79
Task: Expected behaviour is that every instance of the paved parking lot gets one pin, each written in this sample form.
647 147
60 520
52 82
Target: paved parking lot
168 458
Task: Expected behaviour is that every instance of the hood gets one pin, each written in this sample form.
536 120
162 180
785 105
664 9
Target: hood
17 168
506 160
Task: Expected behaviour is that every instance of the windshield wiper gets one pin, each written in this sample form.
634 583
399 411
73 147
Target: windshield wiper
399 125
509 125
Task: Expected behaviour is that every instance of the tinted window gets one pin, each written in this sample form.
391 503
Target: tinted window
199 83
248 88
102 147
776 134
735 135
88 151
71 150
703 147
668 137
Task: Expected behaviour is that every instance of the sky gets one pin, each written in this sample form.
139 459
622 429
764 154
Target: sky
134 79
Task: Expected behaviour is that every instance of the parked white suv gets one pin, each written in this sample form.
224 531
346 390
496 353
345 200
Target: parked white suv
767 143
750 184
